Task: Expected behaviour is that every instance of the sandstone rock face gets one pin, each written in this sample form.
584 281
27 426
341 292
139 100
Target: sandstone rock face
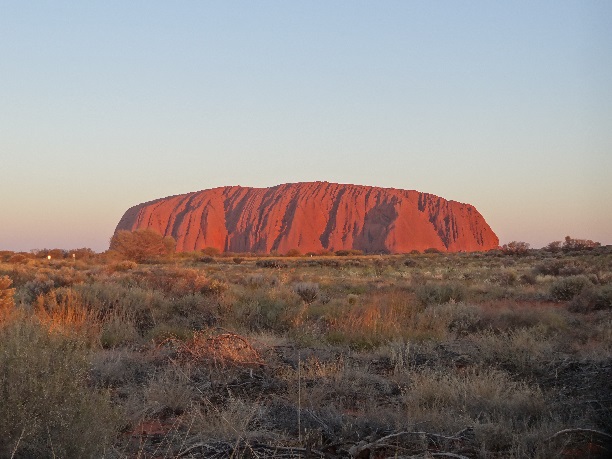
311 217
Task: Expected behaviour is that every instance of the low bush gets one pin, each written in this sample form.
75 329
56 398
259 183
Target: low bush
592 299
47 408
308 291
6 295
275 264
440 293
275 309
346 253
567 288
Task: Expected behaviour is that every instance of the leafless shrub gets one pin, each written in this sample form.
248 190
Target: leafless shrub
308 291
220 350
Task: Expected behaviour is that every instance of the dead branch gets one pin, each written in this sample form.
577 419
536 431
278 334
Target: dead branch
225 449
579 430
356 450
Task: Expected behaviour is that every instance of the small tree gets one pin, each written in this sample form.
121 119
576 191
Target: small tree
553 247
515 248
575 245
141 244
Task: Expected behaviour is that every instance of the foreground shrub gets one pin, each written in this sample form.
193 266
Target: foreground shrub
47 409
515 248
559 268
275 309
6 295
308 291
440 293
275 264
592 299
567 288
497 406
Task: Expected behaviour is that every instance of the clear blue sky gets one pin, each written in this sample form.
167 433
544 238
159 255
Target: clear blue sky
505 105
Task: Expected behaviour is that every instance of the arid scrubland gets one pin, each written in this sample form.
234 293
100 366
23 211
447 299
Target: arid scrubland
482 355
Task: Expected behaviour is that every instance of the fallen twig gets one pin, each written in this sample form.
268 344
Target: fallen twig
579 430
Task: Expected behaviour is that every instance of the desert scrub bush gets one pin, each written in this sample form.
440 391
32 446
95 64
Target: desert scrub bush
40 285
168 393
505 277
381 318
485 399
254 281
123 266
142 244
560 267
274 264
172 281
440 293
62 311
137 305
6 296
275 309
116 368
47 408
458 318
515 248
308 291
592 299
235 419
523 350
567 288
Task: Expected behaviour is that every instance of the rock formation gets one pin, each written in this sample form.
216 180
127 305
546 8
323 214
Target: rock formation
311 217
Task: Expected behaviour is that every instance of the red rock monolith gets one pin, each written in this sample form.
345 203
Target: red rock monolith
312 217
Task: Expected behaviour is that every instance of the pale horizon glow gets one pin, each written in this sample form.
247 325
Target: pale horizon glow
105 105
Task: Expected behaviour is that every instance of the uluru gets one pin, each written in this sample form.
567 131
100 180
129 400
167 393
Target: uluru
312 217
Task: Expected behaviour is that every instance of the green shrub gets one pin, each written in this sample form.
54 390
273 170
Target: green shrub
567 288
47 408
592 299
440 293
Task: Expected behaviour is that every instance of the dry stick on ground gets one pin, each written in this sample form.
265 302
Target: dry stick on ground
581 431
226 448
356 450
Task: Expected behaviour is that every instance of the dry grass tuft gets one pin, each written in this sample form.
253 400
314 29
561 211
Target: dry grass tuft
227 349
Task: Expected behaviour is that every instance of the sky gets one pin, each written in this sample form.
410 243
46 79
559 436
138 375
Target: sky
107 104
